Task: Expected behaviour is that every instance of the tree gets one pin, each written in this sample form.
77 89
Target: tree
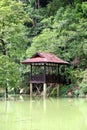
13 41
65 35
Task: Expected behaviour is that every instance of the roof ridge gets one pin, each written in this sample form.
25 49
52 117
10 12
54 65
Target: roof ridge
45 57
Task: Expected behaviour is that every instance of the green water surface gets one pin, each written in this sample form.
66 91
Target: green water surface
43 114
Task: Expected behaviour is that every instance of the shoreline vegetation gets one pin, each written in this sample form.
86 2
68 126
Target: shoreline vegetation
69 92
56 26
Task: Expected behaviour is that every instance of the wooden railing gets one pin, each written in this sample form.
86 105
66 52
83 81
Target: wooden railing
47 78
37 78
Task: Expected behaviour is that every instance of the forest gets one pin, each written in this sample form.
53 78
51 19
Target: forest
30 26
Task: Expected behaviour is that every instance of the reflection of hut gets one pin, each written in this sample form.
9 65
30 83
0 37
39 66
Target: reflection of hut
44 69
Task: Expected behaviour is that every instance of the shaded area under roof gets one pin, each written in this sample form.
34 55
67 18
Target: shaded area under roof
44 57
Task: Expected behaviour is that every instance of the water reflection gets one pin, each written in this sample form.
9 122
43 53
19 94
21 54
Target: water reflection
44 105
43 114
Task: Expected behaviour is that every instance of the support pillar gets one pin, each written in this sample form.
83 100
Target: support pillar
44 90
58 87
31 85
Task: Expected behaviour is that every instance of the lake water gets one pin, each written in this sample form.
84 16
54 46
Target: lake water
40 114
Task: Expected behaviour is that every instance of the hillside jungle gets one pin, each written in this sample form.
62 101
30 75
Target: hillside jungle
30 26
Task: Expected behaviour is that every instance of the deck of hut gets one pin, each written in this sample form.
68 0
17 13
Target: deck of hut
44 68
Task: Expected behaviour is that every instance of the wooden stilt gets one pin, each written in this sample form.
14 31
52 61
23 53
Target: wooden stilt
44 89
58 86
31 90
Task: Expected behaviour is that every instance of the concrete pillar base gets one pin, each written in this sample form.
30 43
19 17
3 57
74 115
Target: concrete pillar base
44 90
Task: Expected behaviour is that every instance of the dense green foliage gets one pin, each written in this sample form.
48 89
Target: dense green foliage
13 41
55 26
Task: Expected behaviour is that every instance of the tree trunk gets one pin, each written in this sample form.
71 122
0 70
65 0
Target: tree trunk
6 93
37 4
3 46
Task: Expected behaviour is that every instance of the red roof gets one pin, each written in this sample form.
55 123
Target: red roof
44 57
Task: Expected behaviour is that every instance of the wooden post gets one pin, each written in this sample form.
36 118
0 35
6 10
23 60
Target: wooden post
58 86
58 69
44 90
31 90
44 72
30 72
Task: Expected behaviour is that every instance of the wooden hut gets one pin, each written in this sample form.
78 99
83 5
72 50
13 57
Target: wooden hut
44 68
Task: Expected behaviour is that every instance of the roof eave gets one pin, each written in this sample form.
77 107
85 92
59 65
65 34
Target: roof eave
60 63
